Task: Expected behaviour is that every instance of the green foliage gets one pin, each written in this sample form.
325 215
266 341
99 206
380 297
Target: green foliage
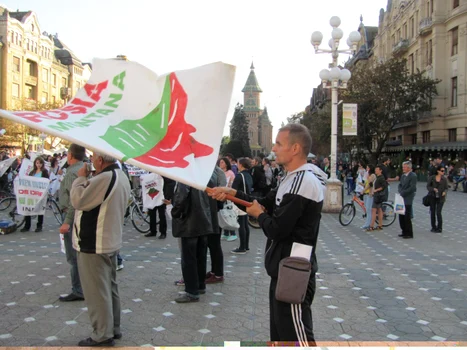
387 95
239 131
234 147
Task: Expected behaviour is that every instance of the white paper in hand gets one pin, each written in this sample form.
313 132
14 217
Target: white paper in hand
301 250
62 243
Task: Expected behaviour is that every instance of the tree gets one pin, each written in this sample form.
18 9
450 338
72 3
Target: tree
387 95
235 148
225 141
21 134
239 131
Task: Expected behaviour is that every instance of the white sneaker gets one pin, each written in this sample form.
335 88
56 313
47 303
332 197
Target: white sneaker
119 267
231 238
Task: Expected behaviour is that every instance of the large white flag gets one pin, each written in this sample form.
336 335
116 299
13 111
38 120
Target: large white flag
171 124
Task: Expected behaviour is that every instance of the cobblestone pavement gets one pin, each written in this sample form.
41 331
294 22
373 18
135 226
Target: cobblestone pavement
371 287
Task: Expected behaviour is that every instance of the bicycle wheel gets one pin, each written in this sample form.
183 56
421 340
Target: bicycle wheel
17 218
347 214
140 219
253 222
52 205
7 202
389 215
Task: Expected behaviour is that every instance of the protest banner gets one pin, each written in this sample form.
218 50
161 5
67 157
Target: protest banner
171 124
135 171
31 195
5 164
26 167
152 186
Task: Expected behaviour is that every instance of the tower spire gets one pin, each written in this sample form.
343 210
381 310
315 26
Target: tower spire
252 65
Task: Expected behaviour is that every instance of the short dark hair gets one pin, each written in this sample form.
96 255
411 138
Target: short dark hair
78 152
267 161
380 166
384 159
439 167
230 155
300 134
244 162
372 169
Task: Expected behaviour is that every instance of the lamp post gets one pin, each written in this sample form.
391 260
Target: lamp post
334 79
42 136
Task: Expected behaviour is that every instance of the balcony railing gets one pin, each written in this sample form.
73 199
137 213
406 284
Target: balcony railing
401 47
30 80
426 25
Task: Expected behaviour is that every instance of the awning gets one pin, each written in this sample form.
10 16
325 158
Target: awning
434 146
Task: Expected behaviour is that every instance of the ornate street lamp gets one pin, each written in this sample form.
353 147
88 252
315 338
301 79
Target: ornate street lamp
334 79
42 136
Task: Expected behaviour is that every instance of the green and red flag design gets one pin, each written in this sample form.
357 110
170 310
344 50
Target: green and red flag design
170 124
163 137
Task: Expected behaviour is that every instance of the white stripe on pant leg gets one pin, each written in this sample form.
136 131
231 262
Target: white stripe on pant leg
295 323
302 325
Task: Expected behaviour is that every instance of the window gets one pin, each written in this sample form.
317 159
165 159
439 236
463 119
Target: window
455 41
454 92
45 97
54 79
455 4
45 75
54 100
30 92
416 59
452 135
426 136
429 53
412 27
64 82
31 68
15 90
404 31
16 64
413 138
412 64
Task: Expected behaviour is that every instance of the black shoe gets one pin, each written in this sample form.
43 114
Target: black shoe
90 342
186 299
162 236
407 237
24 229
434 230
39 229
150 234
202 291
238 251
118 336
71 297
401 235
438 230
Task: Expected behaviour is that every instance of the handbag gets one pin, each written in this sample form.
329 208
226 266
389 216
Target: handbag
238 210
427 200
399 205
292 281
228 217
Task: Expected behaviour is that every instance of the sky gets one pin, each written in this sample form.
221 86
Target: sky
179 34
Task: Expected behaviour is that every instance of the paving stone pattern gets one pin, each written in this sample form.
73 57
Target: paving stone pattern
372 286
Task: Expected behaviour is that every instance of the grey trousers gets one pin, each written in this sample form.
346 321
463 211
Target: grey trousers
71 259
99 281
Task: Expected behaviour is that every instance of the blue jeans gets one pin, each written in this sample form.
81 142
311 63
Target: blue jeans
368 200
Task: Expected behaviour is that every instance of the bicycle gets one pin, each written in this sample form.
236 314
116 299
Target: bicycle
349 211
53 205
135 211
11 214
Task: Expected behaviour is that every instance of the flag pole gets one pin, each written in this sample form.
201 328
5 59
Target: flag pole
232 198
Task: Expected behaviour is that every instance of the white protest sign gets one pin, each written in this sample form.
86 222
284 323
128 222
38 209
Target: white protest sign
31 195
152 186
135 171
26 167
5 164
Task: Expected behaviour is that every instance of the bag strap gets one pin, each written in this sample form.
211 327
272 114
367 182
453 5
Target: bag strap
244 186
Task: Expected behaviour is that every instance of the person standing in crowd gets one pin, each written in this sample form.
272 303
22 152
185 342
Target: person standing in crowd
233 163
293 214
243 182
259 177
325 167
268 174
216 274
368 195
224 164
437 186
38 170
407 189
160 210
349 179
101 199
192 222
75 158
379 195
434 168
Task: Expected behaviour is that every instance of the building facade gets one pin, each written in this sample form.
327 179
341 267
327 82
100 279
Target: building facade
432 36
35 67
259 125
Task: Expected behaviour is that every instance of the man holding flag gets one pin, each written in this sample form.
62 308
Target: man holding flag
289 215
